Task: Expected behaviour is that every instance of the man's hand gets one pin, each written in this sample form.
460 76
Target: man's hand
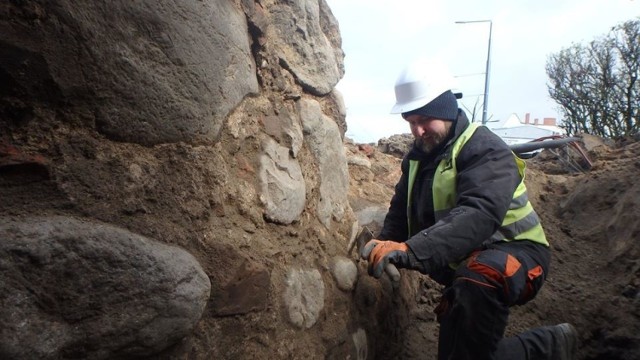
380 253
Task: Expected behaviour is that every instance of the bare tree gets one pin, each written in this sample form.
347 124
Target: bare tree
597 85
568 88
626 41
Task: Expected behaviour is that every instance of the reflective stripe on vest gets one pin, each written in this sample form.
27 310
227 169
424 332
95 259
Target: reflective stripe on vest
520 223
413 171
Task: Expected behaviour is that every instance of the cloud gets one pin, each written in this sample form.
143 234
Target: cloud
366 129
362 92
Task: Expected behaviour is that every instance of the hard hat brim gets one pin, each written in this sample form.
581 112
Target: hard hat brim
400 108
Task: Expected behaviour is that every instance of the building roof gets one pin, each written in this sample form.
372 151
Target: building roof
514 131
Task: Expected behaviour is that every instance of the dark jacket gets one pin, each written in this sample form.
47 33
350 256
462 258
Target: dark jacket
487 178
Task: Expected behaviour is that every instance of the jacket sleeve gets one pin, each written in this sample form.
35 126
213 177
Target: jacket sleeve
487 177
395 223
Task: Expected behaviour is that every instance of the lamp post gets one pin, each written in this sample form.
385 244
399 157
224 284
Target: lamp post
486 73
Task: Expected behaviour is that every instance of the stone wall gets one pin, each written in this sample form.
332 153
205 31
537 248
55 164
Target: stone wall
176 171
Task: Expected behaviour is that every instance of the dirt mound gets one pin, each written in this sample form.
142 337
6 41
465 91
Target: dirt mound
592 221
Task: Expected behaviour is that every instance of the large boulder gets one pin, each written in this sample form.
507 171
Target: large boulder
81 289
283 188
306 39
138 70
325 142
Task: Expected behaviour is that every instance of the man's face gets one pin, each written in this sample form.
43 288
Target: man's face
428 132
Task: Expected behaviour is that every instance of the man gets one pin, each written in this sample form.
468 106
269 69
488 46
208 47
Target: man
460 214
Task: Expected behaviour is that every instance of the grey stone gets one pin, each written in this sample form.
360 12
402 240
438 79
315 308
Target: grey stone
396 145
282 184
345 272
147 74
304 297
304 44
372 216
325 142
359 160
83 289
360 341
285 128
338 111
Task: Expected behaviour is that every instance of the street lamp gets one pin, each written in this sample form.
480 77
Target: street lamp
486 73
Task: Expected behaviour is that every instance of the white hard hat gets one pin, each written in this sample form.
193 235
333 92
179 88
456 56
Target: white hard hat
420 82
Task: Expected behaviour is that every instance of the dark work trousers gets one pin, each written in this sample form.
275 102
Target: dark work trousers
475 303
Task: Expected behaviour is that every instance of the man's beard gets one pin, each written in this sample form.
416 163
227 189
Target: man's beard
428 143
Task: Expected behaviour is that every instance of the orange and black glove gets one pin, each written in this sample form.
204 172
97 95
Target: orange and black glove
380 253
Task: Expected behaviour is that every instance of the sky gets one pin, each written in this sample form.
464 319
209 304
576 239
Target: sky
379 37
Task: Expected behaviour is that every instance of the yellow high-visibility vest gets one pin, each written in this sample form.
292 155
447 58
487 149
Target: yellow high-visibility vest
521 221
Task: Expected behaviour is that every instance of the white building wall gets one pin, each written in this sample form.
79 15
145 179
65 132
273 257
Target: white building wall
512 131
